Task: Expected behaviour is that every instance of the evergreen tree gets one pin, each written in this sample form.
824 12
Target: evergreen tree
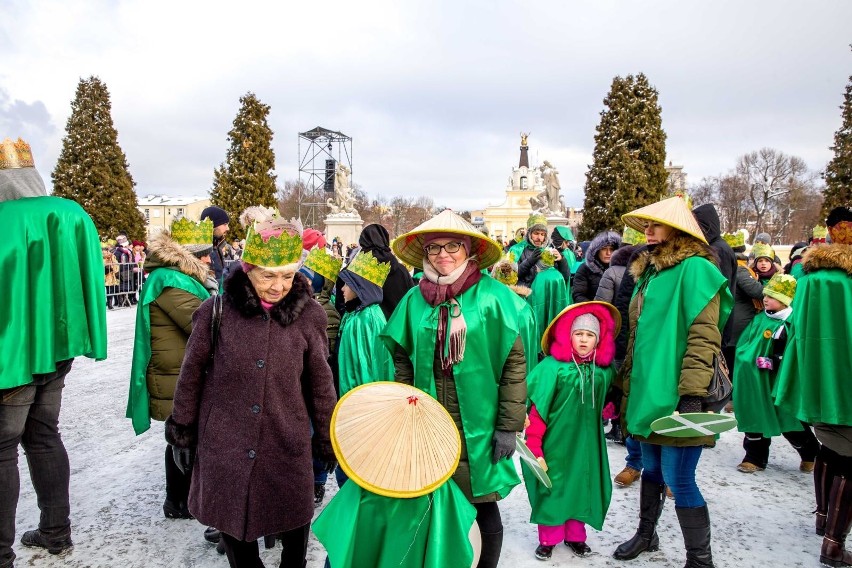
628 164
246 177
838 174
92 168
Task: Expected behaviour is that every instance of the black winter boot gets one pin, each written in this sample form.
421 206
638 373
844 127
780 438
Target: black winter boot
652 497
823 480
833 552
695 526
492 545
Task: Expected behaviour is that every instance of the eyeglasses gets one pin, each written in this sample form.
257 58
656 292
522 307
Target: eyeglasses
435 249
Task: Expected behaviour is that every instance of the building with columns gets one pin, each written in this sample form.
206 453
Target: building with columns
160 210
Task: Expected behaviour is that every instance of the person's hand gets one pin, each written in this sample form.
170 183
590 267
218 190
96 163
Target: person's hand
526 421
184 458
329 466
323 452
542 463
689 404
502 445
557 256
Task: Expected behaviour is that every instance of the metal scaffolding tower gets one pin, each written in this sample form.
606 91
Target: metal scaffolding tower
323 150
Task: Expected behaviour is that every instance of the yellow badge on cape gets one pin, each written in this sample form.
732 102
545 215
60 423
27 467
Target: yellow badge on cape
767 334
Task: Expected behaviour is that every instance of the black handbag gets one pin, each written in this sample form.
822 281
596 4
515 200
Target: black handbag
720 389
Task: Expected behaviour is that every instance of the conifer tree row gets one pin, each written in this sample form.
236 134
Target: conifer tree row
628 166
838 173
246 177
92 168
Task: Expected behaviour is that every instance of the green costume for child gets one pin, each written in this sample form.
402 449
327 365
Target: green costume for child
756 411
363 357
574 445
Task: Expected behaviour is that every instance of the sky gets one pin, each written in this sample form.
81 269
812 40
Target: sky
433 93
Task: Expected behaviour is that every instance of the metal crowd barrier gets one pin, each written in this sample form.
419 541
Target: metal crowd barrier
128 278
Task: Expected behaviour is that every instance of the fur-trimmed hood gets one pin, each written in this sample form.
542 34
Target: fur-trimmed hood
622 255
826 257
165 252
521 291
671 253
240 293
603 239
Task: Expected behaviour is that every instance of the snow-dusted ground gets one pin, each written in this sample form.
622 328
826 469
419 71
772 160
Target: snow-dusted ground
117 490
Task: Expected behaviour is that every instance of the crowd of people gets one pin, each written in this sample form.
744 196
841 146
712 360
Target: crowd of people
244 350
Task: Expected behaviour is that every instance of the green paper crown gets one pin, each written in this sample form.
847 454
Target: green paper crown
536 219
367 267
631 236
782 287
187 232
505 271
275 251
760 250
820 232
324 264
735 239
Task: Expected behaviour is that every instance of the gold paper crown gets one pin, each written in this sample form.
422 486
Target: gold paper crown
631 236
274 251
536 219
820 232
323 263
186 232
782 287
760 250
735 239
15 155
369 268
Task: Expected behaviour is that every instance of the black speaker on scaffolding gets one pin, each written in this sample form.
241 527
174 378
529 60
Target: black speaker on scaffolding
328 184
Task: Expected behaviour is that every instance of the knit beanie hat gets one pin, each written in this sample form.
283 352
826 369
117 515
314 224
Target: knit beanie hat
763 238
587 322
215 214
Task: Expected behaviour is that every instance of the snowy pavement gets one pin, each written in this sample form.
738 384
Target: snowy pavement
117 491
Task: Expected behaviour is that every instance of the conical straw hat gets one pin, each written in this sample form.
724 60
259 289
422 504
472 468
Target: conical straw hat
672 212
394 440
409 247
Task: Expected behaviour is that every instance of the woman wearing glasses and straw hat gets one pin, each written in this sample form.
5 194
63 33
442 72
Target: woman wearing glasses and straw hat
684 303
456 336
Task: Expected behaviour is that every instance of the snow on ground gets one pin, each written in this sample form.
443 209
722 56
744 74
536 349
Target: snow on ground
117 491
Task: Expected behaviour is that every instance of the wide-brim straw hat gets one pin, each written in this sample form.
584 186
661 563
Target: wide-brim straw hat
672 212
409 246
394 440
547 340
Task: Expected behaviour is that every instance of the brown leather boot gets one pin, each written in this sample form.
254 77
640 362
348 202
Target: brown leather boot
837 524
823 479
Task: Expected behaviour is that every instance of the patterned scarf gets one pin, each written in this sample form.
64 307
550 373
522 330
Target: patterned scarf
441 292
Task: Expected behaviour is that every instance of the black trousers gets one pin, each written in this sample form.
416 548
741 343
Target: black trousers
243 554
757 447
177 483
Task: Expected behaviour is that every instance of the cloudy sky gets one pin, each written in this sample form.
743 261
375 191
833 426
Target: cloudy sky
433 93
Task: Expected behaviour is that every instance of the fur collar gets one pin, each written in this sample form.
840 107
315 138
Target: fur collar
671 253
824 257
164 251
240 293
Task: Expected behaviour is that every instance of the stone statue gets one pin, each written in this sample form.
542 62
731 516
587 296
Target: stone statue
343 202
548 201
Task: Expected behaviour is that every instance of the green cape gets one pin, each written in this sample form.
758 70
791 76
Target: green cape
756 411
529 335
549 297
491 312
679 294
362 356
574 445
137 400
361 529
54 304
813 382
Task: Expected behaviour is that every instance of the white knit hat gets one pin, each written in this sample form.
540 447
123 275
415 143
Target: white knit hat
587 322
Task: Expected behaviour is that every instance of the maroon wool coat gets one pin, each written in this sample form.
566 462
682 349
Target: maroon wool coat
250 417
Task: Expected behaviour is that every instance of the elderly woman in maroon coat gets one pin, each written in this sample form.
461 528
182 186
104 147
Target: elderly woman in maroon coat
244 415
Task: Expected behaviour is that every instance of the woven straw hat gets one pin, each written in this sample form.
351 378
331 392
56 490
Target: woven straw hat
672 212
547 340
394 440
409 247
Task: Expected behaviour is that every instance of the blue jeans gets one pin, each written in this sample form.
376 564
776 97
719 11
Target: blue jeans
29 416
634 453
674 467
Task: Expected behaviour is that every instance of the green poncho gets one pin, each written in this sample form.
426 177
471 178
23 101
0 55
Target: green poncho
362 355
573 445
674 297
756 411
137 399
54 305
813 382
360 529
491 312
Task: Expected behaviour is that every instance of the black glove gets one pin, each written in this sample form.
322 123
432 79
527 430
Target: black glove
184 458
529 262
323 452
502 445
689 404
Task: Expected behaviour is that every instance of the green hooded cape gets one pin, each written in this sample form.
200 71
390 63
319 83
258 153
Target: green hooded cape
137 400
573 445
680 293
360 529
362 356
491 312
54 305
